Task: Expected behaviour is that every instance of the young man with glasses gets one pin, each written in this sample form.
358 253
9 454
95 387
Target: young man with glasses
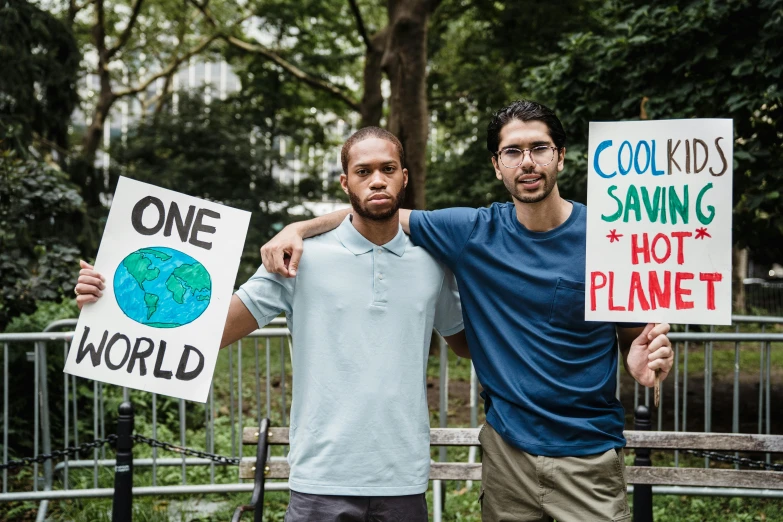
552 443
361 315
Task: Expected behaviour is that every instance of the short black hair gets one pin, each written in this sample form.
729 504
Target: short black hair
370 132
524 110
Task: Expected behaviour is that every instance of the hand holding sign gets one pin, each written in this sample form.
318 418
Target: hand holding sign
89 287
650 357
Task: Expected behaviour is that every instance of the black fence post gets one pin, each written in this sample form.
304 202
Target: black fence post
261 470
642 493
122 504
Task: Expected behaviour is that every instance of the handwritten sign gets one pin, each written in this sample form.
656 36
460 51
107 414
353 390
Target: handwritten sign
170 262
659 221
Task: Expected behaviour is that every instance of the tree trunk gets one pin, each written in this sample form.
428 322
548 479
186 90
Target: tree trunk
405 63
94 134
740 271
372 99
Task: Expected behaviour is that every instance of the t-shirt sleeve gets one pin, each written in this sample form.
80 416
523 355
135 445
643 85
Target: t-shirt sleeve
448 311
443 233
266 295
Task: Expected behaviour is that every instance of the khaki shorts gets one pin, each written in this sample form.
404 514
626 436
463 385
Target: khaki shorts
517 486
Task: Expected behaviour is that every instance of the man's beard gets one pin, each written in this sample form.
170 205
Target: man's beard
547 182
382 215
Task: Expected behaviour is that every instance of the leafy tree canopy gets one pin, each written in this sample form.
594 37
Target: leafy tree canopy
684 59
39 211
216 152
38 85
688 60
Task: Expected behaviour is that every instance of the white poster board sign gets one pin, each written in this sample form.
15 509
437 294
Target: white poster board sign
659 211
170 262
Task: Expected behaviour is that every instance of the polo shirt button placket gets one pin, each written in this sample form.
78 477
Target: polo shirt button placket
379 293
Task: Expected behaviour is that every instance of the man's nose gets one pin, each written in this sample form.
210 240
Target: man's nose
378 180
527 160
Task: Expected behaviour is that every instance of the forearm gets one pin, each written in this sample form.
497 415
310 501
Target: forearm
459 344
405 220
321 224
625 337
239 322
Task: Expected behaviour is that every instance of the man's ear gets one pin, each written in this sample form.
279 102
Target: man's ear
497 168
344 182
404 178
561 159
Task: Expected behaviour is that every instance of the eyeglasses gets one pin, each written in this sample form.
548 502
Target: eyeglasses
512 158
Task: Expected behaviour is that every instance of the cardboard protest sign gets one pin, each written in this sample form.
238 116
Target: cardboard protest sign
170 262
659 221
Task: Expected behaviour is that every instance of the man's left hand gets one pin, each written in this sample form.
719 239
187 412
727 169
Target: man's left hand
649 352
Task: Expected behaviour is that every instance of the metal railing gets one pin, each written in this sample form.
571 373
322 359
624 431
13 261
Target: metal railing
76 427
81 421
763 295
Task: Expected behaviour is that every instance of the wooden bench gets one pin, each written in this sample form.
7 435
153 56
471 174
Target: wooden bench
637 475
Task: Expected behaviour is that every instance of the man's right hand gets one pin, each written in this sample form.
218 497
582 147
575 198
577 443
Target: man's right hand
89 286
282 253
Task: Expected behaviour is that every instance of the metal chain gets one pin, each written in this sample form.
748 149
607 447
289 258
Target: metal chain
112 439
722 457
66 452
185 451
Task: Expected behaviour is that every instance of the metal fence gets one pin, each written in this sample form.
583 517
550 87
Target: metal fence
764 296
83 410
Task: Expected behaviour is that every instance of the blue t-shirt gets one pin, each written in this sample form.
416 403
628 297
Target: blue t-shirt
549 376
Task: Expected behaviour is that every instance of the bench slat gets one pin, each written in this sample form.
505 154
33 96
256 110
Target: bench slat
704 441
636 439
438 470
438 436
726 478
695 477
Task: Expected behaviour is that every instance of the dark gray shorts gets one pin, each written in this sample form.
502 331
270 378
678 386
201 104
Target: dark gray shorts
304 507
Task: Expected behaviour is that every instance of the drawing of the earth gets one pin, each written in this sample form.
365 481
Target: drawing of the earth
162 287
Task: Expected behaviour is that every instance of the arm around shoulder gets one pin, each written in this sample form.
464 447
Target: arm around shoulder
282 253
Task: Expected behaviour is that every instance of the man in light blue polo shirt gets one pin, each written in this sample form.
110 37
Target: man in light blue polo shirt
361 313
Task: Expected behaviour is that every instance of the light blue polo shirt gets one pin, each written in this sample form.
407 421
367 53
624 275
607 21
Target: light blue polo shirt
361 318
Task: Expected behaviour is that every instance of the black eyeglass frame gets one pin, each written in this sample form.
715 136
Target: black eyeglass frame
530 152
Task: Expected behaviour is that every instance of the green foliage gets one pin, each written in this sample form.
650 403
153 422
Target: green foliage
38 85
728 509
480 50
46 313
215 152
39 212
690 60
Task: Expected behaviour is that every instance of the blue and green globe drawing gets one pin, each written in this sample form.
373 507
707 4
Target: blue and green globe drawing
162 287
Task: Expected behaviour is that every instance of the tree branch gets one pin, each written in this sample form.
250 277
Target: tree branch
294 71
99 32
290 68
168 70
128 30
159 99
360 24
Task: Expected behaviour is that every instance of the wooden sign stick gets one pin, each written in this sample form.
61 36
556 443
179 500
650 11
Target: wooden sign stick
657 390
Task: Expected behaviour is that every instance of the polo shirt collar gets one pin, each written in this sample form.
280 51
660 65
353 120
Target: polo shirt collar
358 244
